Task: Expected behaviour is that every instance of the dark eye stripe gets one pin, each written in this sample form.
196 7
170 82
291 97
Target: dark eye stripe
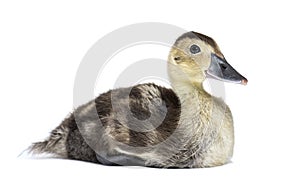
194 49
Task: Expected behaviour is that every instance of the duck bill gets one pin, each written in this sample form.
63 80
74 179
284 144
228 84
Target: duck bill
221 70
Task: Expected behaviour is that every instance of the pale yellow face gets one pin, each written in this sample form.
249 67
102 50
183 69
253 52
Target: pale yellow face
189 58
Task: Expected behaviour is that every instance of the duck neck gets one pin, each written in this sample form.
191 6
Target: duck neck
189 91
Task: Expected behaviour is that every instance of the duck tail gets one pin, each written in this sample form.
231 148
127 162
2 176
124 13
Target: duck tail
54 145
66 142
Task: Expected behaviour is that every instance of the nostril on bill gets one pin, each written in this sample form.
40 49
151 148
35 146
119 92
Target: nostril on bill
223 66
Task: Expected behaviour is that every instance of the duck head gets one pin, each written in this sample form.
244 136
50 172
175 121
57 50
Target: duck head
195 57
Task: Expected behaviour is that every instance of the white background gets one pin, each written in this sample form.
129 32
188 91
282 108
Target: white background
42 44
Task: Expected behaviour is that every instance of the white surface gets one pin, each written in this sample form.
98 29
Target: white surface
42 44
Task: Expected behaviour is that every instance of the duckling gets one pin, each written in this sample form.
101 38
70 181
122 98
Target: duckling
154 126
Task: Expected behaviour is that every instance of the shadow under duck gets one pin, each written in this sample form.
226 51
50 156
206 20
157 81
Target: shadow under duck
150 125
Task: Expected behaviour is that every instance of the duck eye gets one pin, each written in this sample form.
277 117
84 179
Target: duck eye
194 49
